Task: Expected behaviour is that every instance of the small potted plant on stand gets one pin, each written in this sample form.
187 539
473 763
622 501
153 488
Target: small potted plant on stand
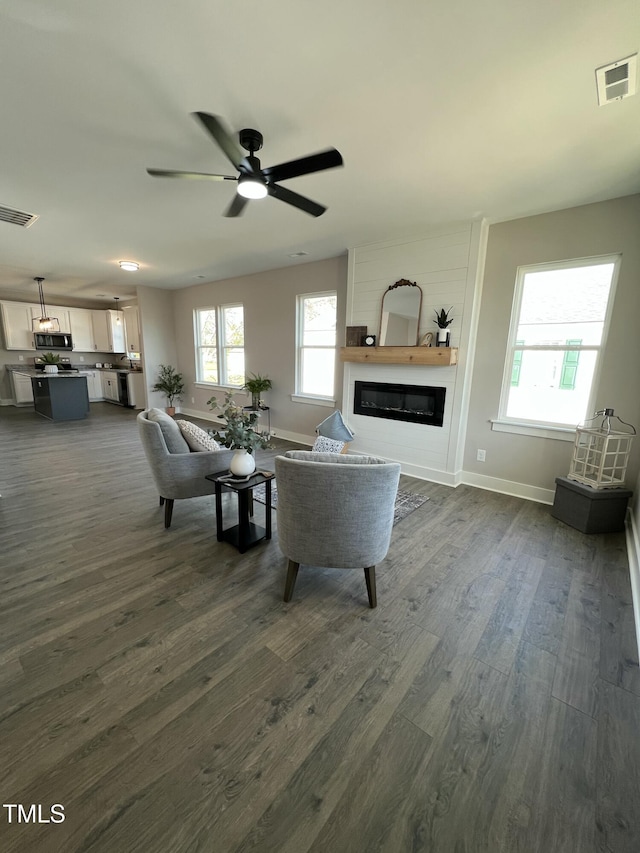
442 321
255 385
51 361
171 385
239 434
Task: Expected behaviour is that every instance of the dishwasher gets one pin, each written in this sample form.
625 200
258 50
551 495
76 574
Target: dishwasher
123 389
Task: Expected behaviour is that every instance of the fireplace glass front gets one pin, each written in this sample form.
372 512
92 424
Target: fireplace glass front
416 404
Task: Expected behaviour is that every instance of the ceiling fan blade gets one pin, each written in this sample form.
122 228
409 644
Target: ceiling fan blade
237 206
296 200
222 136
328 159
193 176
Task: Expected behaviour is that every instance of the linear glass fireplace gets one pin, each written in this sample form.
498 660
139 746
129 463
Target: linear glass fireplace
416 404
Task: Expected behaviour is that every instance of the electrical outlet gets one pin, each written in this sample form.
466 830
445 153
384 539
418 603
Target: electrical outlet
193 399
20 358
482 456
81 358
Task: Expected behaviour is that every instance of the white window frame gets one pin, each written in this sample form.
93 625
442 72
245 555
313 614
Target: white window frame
221 345
298 396
549 429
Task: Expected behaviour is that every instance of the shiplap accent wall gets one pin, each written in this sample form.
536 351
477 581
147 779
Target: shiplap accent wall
446 263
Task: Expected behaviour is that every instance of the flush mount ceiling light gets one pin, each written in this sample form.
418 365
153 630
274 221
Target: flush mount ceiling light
44 323
129 266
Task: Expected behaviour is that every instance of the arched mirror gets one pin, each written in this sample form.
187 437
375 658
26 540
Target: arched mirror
400 315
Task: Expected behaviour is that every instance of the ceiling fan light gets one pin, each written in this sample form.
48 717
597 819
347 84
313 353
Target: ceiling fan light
251 188
129 266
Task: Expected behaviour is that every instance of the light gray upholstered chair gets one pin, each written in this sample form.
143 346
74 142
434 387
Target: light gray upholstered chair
335 511
178 473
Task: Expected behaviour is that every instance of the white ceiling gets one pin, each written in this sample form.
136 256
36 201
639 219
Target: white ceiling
442 112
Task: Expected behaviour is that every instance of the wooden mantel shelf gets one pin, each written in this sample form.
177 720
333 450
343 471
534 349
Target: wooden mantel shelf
436 356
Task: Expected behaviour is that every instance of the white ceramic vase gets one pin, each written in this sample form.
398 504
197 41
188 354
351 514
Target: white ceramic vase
242 463
51 368
443 337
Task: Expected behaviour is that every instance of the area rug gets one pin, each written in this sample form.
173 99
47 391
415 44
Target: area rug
406 502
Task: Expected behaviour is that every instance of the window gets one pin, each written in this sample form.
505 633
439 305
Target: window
558 326
219 334
316 344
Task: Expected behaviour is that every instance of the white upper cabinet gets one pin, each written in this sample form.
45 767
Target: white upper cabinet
16 321
101 340
132 329
108 331
91 331
116 327
81 329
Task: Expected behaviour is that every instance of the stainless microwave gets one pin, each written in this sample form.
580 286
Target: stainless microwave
53 340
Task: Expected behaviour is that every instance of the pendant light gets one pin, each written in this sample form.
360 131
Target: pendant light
44 323
116 299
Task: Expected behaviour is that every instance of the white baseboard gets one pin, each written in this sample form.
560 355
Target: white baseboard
444 478
633 553
7 402
196 413
280 433
507 487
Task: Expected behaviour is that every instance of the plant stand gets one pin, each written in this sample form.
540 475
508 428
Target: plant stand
260 410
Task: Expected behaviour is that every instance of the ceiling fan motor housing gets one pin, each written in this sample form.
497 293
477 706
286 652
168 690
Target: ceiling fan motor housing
250 139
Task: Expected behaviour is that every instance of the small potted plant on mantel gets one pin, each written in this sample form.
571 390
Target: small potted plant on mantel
442 321
255 385
239 434
171 384
51 361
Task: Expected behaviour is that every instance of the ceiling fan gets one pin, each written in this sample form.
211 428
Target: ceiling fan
253 181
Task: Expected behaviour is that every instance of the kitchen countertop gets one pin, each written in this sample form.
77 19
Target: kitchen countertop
115 369
63 374
83 371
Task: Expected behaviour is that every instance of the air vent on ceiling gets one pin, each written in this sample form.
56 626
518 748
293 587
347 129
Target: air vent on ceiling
617 80
18 217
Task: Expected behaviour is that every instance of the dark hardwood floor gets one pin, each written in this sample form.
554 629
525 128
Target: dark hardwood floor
155 684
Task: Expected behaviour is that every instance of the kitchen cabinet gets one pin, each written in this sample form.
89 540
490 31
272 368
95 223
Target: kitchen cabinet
108 331
101 342
137 397
94 385
16 321
110 390
22 390
61 398
132 328
61 314
81 330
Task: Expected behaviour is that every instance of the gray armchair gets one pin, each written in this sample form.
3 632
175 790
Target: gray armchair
178 473
335 511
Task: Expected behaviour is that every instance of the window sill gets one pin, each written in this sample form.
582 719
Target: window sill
313 401
539 431
233 388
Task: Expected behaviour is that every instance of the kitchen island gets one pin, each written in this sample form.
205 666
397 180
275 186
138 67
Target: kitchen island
60 396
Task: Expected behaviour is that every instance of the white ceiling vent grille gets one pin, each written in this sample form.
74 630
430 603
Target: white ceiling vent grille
617 80
17 217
